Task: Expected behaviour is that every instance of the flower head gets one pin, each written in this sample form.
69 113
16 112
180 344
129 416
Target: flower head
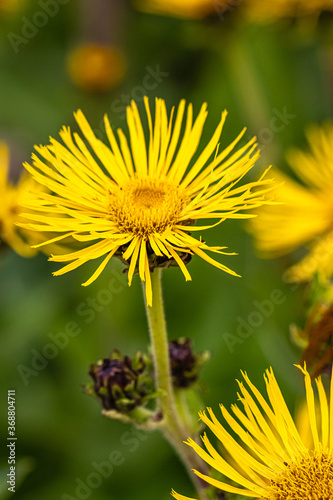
306 212
273 461
12 196
141 202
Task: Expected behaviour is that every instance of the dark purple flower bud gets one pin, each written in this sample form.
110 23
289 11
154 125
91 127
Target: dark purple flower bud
185 365
122 383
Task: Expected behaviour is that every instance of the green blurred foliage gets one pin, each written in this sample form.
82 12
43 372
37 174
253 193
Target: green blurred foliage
60 431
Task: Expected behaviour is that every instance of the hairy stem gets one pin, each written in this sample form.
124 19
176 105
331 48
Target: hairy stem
173 428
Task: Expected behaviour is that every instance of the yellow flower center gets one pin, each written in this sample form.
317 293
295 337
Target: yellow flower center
308 478
146 197
146 206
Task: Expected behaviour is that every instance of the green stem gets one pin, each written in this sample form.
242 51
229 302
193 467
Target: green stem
172 427
182 407
160 349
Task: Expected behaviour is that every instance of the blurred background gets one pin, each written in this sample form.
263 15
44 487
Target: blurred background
274 76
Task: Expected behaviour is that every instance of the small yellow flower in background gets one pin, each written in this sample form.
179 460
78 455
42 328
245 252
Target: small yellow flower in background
305 215
11 5
273 461
10 207
277 9
255 10
141 201
178 8
96 68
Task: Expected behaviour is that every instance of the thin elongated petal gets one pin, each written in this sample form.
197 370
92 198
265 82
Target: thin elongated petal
134 259
311 407
100 268
324 413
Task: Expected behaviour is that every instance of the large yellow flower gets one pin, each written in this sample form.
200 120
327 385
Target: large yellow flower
12 197
273 462
140 201
306 212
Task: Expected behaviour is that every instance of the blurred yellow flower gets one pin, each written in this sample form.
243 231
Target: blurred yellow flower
306 212
273 460
275 9
256 10
96 68
12 197
10 5
179 8
141 201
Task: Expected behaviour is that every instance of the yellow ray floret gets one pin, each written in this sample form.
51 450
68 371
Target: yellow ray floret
12 196
270 459
141 198
305 215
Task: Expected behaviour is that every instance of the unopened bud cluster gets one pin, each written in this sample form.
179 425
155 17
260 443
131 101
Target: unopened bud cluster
122 383
125 385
